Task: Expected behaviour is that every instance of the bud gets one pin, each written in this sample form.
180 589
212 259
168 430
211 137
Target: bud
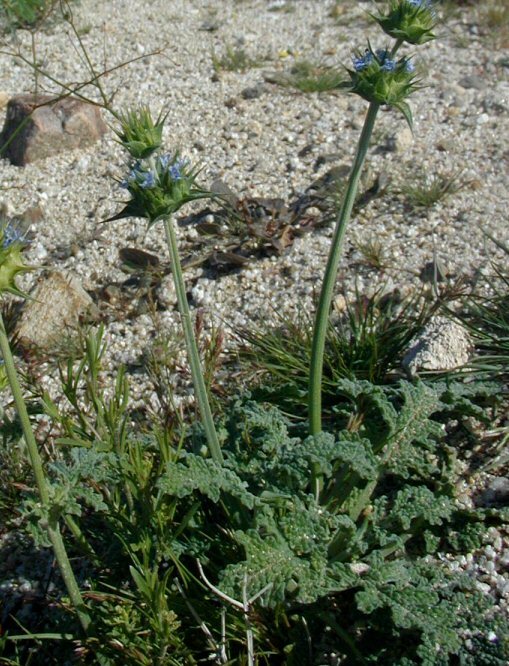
139 134
410 21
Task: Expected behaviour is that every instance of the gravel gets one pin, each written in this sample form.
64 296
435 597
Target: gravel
264 140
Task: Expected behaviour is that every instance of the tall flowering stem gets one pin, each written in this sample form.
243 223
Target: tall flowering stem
159 184
192 348
52 526
331 271
380 79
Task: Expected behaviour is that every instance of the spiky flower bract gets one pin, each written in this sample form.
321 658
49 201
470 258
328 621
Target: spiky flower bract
139 134
12 243
377 77
159 186
410 21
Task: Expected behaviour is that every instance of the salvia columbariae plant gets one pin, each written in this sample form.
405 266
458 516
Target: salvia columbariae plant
286 515
159 184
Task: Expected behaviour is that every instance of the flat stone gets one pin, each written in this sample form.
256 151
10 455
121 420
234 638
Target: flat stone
473 81
38 126
56 305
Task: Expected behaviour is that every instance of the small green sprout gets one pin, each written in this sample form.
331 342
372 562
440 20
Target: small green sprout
409 21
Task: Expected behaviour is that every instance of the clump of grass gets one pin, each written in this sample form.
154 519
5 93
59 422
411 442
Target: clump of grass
373 252
493 15
367 343
425 192
235 59
309 77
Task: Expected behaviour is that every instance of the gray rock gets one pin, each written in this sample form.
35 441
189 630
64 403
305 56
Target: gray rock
38 126
496 491
253 92
442 345
473 81
57 304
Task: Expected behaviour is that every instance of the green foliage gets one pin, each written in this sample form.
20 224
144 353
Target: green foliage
309 77
26 13
234 60
426 191
359 559
367 342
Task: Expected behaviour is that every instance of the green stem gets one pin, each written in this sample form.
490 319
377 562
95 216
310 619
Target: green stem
192 348
42 486
331 271
329 280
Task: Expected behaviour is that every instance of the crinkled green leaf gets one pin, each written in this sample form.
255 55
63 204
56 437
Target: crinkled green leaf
207 477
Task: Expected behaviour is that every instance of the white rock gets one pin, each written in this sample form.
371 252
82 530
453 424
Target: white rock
442 345
401 141
166 293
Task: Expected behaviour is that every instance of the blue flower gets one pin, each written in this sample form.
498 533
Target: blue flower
388 66
164 160
147 180
420 3
361 62
409 66
12 234
175 171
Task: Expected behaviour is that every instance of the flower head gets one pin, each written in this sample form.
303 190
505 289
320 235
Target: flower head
159 186
361 62
12 243
379 78
410 21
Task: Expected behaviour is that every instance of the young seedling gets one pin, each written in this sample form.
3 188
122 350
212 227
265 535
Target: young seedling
427 191
234 60
309 77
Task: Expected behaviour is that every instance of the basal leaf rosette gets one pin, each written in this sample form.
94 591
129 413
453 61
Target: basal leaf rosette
410 21
12 244
159 187
380 79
